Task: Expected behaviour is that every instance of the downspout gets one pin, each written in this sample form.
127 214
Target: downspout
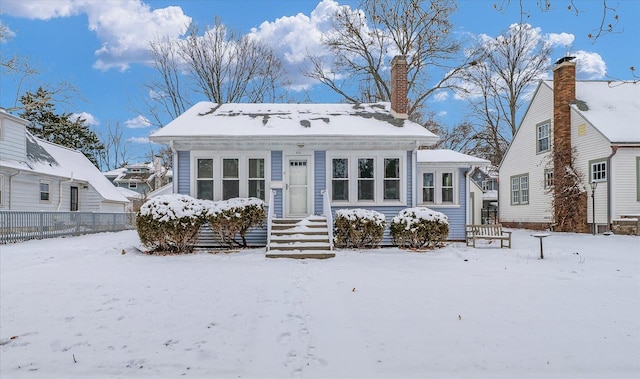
11 187
468 203
414 170
174 164
60 191
609 200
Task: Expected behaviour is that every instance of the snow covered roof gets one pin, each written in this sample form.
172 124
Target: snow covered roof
612 107
287 122
445 156
50 159
129 194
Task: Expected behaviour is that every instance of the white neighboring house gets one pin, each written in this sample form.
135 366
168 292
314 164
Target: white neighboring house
36 175
602 121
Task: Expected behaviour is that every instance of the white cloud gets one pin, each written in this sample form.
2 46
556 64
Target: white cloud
124 27
143 140
442 113
88 118
7 33
441 96
589 65
293 37
562 39
137 122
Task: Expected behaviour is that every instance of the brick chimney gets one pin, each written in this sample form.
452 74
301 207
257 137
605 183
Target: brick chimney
399 91
564 94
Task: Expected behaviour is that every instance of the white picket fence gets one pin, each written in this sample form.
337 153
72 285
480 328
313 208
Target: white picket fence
18 226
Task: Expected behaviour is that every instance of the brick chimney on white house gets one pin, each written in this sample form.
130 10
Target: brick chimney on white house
399 90
564 94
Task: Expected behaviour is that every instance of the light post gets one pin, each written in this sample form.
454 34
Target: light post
594 184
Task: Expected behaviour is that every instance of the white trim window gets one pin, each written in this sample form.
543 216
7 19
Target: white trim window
340 179
45 187
133 185
204 179
439 187
598 171
548 178
367 177
520 189
543 141
223 177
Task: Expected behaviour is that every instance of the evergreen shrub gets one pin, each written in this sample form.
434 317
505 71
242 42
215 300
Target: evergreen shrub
358 228
418 228
170 223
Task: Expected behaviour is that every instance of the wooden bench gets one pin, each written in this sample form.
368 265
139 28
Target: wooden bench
487 232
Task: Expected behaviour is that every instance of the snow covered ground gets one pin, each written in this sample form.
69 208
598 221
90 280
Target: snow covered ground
94 307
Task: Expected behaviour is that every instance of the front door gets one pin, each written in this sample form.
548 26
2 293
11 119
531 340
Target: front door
297 187
74 199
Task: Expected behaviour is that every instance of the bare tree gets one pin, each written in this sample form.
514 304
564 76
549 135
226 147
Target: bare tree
116 147
364 40
608 22
227 66
496 85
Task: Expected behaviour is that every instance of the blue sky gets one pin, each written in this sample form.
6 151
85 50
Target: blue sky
99 46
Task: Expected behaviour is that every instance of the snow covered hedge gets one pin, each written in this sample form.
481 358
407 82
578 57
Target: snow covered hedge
419 227
228 218
358 228
170 223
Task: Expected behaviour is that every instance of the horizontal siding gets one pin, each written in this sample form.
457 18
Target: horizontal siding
521 158
13 145
184 173
320 179
624 176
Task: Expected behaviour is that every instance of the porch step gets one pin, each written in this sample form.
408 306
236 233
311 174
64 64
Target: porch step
300 238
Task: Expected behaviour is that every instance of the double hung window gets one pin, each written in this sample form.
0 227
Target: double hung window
438 187
520 189
223 178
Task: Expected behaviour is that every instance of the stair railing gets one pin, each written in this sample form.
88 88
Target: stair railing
326 210
270 215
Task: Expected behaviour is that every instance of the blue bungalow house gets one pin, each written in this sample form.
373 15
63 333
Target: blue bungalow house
313 158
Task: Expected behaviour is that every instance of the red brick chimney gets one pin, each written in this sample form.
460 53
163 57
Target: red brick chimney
564 94
399 91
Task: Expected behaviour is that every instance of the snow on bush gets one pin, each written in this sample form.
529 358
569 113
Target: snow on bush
230 217
419 227
358 228
170 223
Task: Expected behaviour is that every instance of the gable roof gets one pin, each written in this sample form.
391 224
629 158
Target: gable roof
447 156
292 122
612 107
51 159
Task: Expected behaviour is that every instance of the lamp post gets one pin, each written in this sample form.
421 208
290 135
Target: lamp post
594 184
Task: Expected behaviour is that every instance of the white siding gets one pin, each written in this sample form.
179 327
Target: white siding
476 208
522 158
13 146
624 183
590 145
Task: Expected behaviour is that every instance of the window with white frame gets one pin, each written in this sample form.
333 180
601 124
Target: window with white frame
256 179
438 187
218 177
204 179
543 137
340 179
598 171
520 189
367 176
366 179
548 178
133 185
44 191
230 178
391 185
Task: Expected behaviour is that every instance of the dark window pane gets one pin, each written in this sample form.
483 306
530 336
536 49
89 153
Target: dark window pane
365 189
427 179
340 190
256 189
427 195
447 195
205 168
392 190
205 189
229 168
392 168
256 168
365 168
230 189
340 168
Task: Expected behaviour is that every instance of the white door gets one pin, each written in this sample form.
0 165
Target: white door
297 186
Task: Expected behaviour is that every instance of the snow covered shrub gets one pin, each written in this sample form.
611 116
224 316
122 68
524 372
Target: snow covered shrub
358 228
230 217
169 223
419 227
